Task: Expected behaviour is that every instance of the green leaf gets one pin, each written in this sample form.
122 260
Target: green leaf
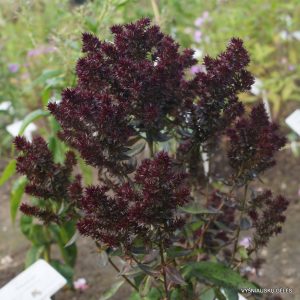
57 149
73 239
46 75
39 113
145 286
33 254
16 196
9 171
38 235
219 294
243 253
231 294
26 223
196 210
87 172
177 251
218 274
122 3
65 270
62 235
114 288
208 294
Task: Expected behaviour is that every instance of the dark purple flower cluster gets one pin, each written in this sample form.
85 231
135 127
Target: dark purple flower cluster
106 217
95 125
253 144
134 88
138 79
267 216
43 214
161 191
216 89
47 179
136 209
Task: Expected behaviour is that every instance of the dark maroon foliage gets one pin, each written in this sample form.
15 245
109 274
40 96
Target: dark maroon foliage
253 144
161 191
106 217
136 80
94 125
216 90
135 92
267 216
45 215
148 204
46 179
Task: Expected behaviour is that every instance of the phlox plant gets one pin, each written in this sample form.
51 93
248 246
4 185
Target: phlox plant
150 128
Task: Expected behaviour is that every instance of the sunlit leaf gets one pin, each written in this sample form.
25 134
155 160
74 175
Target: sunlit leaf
9 171
17 192
31 117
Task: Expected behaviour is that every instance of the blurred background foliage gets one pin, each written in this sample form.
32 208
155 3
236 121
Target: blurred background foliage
40 43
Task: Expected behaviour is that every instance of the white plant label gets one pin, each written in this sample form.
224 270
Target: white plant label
293 121
39 282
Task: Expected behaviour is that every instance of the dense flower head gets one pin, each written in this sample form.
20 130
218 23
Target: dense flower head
253 144
94 125
216 89
139 79
47 180
105 217
162 191
135 208
266 213
46 215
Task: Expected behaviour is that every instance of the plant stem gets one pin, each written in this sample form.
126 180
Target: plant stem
151 147
239 227
161 250
47 252
155 11
124 276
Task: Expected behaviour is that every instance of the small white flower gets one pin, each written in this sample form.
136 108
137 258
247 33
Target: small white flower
296 35
256 88
284 35
198 53
5 105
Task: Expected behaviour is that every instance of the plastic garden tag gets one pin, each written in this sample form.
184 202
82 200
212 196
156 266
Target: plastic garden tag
39 282
293 121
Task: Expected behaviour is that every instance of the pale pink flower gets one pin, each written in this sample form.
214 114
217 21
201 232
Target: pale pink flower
80 284
198 36
246 242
